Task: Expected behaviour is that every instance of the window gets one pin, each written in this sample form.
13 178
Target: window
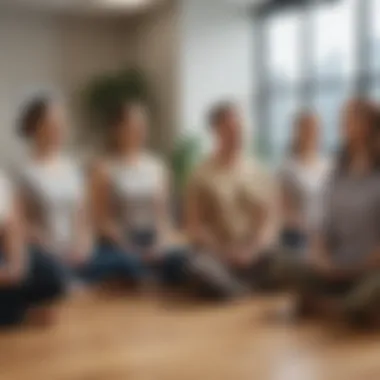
333 29
374 34
280 113
283 35
375 91
328 104
315 57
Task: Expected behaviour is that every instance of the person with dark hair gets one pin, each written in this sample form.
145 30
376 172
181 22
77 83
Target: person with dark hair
302 176
30 281
219 112
56 205
342 274
130 198
229 213
32 115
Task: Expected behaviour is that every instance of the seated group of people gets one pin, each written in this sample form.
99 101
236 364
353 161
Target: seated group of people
315 228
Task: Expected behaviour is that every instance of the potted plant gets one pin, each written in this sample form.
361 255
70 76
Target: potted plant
106 91
184 156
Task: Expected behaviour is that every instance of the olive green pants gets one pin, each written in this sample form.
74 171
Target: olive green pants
360 296
214 278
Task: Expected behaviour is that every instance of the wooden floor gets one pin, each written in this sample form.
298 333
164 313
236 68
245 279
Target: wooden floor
101 337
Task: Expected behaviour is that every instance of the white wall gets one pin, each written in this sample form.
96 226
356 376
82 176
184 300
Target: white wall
216 55
41 51
194 53
157 42
89 47
29 59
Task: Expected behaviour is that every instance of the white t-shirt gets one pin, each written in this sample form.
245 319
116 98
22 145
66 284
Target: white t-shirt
55 189
304 183
135 188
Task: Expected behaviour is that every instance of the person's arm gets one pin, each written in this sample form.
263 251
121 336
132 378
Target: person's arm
266 229
196 231
289 211
319 255
163 210
34 233
373 260
265 218
271 221
101 205
162 218
257 243
83 238
14 266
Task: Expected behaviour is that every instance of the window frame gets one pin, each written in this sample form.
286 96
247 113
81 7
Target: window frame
308 86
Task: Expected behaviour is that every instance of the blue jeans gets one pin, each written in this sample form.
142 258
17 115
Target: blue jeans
170 267
43 283
108 261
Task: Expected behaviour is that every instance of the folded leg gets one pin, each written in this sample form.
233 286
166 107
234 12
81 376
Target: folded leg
212 278
109 262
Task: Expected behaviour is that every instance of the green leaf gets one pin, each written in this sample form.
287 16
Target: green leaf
104 92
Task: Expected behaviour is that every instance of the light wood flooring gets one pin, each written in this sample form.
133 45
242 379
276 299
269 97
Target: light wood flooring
154 337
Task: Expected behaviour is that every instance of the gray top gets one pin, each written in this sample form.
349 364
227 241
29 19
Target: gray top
352 217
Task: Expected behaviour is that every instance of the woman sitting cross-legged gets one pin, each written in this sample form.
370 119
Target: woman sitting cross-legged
54 195
30 281
130 198
342 272
302 177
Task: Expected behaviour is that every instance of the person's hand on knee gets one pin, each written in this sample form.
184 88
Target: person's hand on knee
78 258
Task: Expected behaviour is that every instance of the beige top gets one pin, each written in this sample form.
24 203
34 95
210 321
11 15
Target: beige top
229 196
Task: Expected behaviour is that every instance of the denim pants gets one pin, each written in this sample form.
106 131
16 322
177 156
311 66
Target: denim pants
170 265
110 262
43 283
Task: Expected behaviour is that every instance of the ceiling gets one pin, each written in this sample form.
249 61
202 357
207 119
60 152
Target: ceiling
117 6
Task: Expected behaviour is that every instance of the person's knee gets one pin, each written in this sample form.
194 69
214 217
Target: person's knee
131 265
48 279
55 286
174 268
175 261
12 307
362 302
